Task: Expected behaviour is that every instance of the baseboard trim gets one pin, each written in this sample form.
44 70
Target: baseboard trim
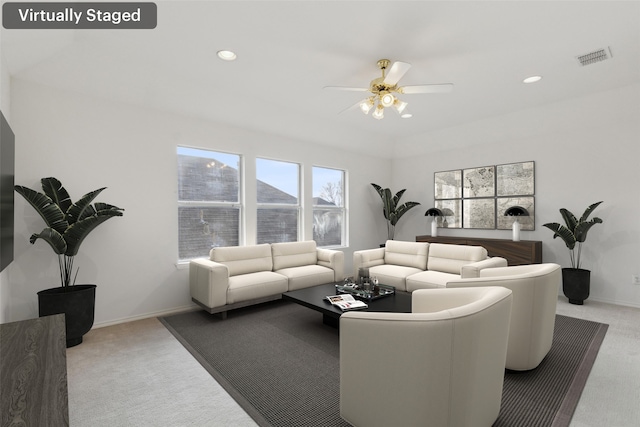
160 313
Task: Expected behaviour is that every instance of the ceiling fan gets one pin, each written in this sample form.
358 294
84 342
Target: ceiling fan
384 90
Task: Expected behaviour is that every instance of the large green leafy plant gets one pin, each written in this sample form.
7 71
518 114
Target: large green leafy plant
391 207
574 232
68 223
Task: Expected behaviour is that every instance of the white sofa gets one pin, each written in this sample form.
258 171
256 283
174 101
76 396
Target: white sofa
238 276
409 266
440 365
535 296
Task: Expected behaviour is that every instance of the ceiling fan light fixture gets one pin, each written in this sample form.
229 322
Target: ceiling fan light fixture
400 106
405 114
366 105
379 113
387 99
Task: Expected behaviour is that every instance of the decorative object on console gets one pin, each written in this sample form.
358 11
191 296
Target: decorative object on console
68 224
391 207
434 213
516 211
575 280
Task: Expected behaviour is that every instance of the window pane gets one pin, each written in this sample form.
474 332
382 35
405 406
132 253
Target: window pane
328 207
277 182
327 227
208 176
328 187
277 225
201 228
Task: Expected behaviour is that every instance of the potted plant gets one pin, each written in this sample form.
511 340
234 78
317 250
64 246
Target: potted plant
68 224
391 207
575 280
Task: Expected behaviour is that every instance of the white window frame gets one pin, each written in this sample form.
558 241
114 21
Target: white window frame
239 205
343 210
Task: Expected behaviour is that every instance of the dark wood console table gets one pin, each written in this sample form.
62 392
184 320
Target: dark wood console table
516 253
33 372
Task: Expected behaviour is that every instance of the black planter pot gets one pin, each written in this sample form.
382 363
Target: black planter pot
576 284
78 305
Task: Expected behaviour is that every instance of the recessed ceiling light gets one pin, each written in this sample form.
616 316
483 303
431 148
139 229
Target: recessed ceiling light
226 55
532 79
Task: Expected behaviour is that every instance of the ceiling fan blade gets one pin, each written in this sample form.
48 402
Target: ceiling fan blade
439 88
352 107
397 70
351 89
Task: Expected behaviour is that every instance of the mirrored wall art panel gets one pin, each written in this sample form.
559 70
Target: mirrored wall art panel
479 213
478 182
515 179
526 222
448 185
451 213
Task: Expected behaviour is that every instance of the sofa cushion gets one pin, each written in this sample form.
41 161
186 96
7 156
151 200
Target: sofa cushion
393 275
293 254
307 275
243 259
429 279
408 254
451 258
250 286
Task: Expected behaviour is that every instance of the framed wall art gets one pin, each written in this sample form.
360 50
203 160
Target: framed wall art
478 197
515 179
479 182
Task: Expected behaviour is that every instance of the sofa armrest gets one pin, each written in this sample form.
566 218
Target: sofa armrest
334 260
208 282
473 270
367 258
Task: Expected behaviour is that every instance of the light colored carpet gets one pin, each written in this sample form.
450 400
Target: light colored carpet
137 374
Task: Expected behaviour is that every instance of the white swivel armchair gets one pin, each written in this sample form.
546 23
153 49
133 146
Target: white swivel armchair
441 365
535 297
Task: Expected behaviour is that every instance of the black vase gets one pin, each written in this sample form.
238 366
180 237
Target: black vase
78 305
576 284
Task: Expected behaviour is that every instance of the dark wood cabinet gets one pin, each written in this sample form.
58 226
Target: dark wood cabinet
33 372
516 253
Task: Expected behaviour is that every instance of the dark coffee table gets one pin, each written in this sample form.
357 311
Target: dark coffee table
313 298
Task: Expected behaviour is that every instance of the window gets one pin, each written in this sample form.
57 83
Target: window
278 190
328 207
208 201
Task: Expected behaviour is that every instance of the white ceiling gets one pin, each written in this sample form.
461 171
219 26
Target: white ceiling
289 50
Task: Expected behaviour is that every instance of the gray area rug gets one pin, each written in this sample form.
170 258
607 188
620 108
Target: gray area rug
281 364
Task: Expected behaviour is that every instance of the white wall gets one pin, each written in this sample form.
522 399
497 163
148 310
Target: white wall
89 143
585 150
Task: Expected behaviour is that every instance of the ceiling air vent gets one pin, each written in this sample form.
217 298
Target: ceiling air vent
595 56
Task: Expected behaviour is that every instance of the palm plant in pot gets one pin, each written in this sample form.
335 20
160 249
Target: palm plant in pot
391 207
575 280
68 224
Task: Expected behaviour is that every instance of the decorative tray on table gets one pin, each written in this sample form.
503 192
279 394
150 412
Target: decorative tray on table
367 291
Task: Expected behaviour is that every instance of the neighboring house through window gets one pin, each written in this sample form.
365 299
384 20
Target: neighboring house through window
210 203
209 208
278 201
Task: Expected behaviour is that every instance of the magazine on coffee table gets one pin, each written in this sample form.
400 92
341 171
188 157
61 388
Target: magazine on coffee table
346 302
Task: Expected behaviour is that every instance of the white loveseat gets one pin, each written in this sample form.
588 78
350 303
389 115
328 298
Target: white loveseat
416 265
238 276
